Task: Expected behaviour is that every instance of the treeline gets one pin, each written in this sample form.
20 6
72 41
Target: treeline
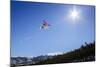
84 54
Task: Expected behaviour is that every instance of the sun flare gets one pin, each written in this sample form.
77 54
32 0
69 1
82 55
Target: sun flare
74 14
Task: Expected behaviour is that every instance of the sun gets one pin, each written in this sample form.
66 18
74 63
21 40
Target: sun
74 14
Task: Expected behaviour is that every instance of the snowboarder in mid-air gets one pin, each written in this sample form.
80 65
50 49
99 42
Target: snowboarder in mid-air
45 25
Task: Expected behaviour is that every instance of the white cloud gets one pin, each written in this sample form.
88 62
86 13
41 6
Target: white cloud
55 53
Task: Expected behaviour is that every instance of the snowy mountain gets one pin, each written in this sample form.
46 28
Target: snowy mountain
28 61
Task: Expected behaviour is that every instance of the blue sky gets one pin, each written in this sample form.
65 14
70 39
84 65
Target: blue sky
64 34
